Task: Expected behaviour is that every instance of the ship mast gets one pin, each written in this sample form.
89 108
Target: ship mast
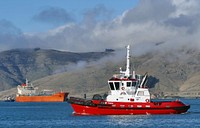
26 82
127 72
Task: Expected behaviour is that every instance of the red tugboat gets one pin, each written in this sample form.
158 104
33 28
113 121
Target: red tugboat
128 96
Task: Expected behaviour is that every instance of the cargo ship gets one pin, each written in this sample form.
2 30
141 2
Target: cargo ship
128 95
28 93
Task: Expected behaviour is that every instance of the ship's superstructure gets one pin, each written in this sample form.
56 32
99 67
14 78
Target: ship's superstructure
28 93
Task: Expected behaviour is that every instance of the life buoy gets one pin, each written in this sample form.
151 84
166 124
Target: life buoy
122 88
147 100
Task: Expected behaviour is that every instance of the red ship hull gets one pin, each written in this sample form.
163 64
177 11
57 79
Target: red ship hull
57 97
117 108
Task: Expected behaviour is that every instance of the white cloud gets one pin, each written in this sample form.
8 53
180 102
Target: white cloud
186 7
169 23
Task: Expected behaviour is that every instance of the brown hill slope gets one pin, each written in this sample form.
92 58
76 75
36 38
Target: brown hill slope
18 64
171 73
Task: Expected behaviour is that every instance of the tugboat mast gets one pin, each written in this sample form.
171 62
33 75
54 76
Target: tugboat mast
127 72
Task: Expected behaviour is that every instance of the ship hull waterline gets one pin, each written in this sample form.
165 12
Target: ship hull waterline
58 97
142 109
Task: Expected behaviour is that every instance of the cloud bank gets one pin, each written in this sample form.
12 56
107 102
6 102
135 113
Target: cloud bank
53 15
151 25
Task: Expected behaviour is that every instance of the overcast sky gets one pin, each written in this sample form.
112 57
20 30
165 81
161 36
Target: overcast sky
74 25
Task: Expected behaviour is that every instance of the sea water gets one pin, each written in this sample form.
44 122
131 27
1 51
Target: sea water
59 115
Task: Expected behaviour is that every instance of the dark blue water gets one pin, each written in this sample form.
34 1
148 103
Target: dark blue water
54 115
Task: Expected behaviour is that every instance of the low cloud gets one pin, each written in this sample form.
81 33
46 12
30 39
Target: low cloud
7 28
149 10
54 15
98 14
10 35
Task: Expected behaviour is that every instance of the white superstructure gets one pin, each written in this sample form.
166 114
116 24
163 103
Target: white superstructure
127 87
26 89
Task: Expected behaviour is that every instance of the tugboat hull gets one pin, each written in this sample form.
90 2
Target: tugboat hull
85 110
87 107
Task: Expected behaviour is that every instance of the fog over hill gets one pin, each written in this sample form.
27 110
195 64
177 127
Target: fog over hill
174 73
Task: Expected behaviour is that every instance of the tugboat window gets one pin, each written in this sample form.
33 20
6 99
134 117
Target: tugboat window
117 85
128 84
140 93
111 86
134 84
